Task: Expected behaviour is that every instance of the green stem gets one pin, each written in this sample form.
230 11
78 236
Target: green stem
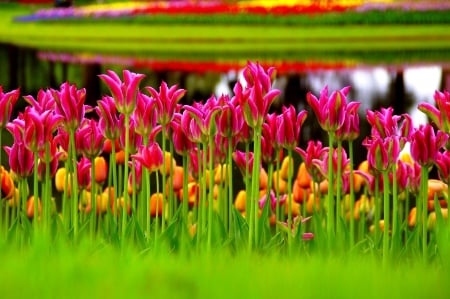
125 179
172 199
157 212
247 182
185 189
163 146
204 183
36 194
113 163
201 205
377 208
277 191
74 190
424 194
386 217
93 212
211 192
395 227
65 210
290 174
269 186
330 198
253 227
230 188
338 190
46 199
147 194
352 197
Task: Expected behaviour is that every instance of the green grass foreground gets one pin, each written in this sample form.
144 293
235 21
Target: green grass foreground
94 272
218 41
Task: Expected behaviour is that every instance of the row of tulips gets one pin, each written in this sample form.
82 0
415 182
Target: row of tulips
116 170
186 7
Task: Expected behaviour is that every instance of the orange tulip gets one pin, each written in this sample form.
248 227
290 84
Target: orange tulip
101 170
299 194
241 201
7 184
412 217
281 185
30 207
263 179
436 187
303 177
177 178
156 200
310 204
168 159
284 171
432 218
120 157
296 209
60 180
221 173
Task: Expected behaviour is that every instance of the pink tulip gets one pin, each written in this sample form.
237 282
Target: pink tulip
134 140
166 101
181 142
241 162
45 101
151 157
108 118
289 126
84 173
330 111
202 119
322 164
269 146
89 138
257 96
273 200
229 121
443 164
425 144
70 105
124 93
21 159
54 160
350 129
7 102
382 153
144 116
385 124
314 151
440 115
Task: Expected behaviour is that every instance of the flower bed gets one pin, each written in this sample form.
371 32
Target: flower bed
139 168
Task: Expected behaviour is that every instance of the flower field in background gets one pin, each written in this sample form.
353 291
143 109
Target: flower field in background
141 170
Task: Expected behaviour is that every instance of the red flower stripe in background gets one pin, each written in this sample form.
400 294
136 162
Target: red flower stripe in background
282 67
